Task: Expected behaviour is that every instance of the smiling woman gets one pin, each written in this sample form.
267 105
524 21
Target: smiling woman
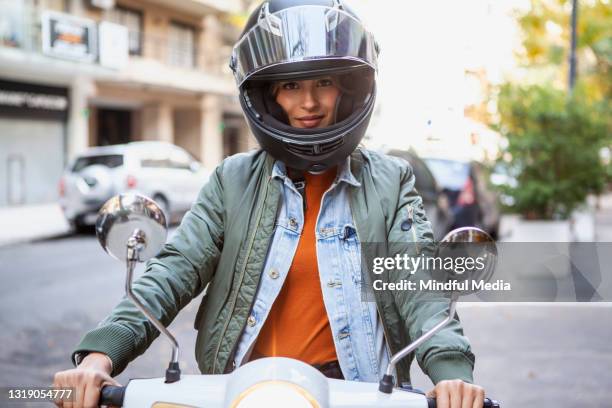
310 103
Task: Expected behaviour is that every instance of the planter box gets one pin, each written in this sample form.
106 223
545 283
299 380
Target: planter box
552 253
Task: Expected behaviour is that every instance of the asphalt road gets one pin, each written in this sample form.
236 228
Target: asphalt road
528 355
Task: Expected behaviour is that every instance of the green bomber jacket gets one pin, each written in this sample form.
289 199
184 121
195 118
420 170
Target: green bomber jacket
221 245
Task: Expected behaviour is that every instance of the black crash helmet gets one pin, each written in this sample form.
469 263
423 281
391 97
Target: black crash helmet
305 39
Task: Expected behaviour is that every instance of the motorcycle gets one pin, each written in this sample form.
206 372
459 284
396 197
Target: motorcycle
132 229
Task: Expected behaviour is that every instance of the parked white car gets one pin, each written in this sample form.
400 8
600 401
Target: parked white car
162 171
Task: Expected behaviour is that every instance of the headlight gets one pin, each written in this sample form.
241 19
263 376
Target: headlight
271 394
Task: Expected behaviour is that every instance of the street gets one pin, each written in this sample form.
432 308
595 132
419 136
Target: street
527 354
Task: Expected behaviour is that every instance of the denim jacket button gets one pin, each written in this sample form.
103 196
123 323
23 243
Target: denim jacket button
274 274
293 222
251 321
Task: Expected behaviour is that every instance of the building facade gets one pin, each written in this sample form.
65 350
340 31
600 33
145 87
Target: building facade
81 73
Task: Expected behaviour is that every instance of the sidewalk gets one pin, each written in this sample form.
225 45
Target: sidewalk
31 222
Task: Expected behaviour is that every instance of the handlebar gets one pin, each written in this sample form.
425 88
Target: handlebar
112 395
488 403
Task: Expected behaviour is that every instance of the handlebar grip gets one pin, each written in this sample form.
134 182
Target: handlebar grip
488 403
112 395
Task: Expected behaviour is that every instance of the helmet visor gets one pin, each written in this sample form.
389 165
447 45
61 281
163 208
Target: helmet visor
304 33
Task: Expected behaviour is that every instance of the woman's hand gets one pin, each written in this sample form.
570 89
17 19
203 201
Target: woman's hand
87 380
457 394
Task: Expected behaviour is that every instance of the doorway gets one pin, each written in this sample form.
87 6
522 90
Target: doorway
114 126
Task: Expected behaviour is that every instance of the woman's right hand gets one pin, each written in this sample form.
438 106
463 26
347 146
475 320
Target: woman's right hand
87 380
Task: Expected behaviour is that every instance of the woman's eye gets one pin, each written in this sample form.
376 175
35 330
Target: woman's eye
325 82
290 85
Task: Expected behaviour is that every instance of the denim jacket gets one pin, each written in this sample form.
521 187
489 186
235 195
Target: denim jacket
357 331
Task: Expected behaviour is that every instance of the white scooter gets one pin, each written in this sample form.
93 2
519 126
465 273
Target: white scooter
132 228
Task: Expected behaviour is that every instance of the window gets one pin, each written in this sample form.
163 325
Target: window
168 159
11 24
108 160
180 159
181 45
449 174
132 19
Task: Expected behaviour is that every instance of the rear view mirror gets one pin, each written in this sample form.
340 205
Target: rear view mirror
127 216
475 256
132 228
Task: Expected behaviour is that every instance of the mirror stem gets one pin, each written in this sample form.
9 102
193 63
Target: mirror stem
387 382
135 244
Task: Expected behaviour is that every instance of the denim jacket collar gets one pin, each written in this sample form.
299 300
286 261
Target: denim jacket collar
344 173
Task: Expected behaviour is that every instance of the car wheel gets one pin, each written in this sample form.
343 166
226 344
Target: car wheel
162 202
79 227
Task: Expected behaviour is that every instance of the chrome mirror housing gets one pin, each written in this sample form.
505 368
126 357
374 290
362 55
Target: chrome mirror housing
131 216
468 242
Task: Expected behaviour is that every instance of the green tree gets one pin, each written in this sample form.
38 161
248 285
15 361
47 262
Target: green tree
554 145
554 137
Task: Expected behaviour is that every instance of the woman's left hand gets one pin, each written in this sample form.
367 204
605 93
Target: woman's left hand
457 394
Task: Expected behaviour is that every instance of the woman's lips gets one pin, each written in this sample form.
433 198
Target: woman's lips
311 121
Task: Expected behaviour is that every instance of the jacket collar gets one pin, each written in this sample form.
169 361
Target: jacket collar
345 173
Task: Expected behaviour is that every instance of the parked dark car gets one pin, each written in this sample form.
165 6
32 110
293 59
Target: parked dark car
466 185
435 202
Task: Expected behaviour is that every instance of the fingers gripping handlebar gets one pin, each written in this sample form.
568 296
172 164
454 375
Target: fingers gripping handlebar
488 403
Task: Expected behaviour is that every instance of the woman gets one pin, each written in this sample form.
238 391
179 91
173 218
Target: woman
276 235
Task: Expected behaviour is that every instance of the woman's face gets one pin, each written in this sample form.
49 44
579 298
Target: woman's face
308 103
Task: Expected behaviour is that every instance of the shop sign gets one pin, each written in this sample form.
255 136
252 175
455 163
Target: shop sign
114 51
67 36
35 101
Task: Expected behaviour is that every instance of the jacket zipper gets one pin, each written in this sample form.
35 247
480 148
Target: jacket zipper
233 305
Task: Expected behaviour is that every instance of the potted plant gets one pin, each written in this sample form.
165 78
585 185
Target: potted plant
553 148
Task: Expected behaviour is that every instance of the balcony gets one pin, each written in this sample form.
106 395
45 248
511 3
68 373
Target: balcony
179 59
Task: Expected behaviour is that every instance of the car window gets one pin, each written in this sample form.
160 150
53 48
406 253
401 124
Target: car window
155 158
108 160
180 159
169 159
450 174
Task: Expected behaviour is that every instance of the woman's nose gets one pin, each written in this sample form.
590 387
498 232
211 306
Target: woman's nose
309 99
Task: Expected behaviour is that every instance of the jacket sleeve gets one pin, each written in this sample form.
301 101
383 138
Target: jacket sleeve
181 270
447 355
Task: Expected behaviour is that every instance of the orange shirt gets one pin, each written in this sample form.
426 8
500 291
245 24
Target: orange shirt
297 325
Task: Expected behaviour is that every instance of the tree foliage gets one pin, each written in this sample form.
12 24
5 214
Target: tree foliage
554 147
546 33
